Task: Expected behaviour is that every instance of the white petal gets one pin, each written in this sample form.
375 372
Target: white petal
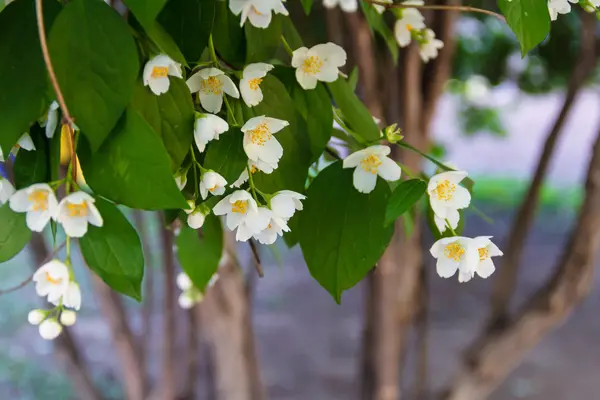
485 268
37 220
306 81
94 216
349 5
256 70
446 267
364 181
159 85
298 57
52 120
229 87
211 102
195 220
194 82
354 159
261 20
68 317
6 190
389 169
223 207
251 97
461 198
35 317
275 125
74 226
72 297
50 329
26 142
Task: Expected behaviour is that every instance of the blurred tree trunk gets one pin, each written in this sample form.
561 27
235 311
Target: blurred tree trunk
498 352
226 317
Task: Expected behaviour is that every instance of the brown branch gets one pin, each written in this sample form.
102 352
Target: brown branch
498 352
257 263
59 96
505 280
422 326
169 363
439 8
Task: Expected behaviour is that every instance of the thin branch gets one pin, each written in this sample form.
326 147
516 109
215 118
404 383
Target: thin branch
26 281
169 320
59 96
257 263
439 8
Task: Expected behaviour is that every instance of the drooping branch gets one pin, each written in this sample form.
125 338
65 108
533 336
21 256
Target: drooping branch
497 352
439 8
504 283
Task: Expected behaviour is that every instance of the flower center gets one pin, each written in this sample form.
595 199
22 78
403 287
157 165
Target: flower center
39 198
212 189
212 85
484 254
253 169
312 65
240 206
445 190
454 251
160 72
253 83
52 280
260 135
409 27
371 163
77 210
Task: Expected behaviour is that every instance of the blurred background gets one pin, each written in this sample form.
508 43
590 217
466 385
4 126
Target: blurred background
492 117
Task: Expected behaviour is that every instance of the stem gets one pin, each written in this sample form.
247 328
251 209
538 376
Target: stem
439 8
59 96
257 263
450 227
230 111
346 129
251 181
407 170
211 48
427 156
286 46
194 166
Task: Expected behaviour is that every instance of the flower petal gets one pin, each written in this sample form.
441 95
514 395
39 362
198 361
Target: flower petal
364 181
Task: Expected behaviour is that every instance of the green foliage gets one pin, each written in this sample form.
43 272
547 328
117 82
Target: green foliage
528 19
377 23
96 64
199 252
341 230
171 116
114 251
14 233
146 10
262 44
132 167
33 166
23 77
307 5
226 155
228 36
403 198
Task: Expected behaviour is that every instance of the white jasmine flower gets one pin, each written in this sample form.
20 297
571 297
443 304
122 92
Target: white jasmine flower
52 280
212 182
157 71
181 180
446 196
369 163
259 143
244 214
211 83
380 9
71 298
75 211
50 120
285 203
275 228
556 7
35 317
50 329
208 127
412 20
25 142
258 12
345 5
429 46
6 190
250 83
195 219
453 254
38 201
68 317
486 250
243 178
319 63
452 218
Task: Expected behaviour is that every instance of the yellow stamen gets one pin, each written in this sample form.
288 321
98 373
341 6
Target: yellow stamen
53 281
212 85
253 83
77 210
39 198
253 169
260 135
240 206
484 254
160 72
212 188
371 163
445 190
312 65
254 10
454 251
409 27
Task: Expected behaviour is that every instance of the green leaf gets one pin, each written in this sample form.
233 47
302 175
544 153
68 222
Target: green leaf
291 34
293 166
307 5
146 10
356 114
114 251
14 233
528 19
189 23
23 77
96 64
165 43
406 195
171 116
226 155
262 44
377 23
353 78
33 166
132 167
199 256
341 230
228 36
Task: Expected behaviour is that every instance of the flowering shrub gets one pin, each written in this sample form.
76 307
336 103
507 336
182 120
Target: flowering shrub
208 109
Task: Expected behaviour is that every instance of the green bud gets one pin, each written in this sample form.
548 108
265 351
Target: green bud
393 133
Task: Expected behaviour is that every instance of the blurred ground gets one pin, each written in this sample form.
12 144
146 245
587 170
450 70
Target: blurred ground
309 346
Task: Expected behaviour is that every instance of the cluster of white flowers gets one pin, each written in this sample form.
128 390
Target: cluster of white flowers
258 12
411 25
457 253
191 295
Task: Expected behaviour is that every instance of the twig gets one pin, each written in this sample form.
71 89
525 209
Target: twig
438 7
59 96
257 263
26 281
